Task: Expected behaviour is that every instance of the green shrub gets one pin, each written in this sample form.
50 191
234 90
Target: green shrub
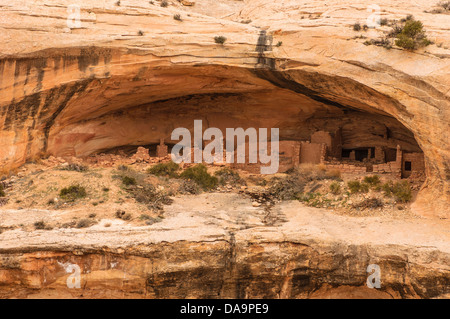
409 17
335 188
279 44
148 195
354 186
412 35
370 203
384 42
372 180
141 191
177 17
220 39
2 191
396 30
189 187
402 191
74 168
129 177
169 169
199 174
150 220
144 217
84 223
364 188
387 188
357 27
358 187
384 21
40 225
72 192
120 213
164 3
70 224
128 181
310 198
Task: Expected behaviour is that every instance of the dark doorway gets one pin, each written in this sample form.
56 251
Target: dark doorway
407 166
361 154
346 153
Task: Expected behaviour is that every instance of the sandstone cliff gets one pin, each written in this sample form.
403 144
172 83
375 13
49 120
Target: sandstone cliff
131 73
206 249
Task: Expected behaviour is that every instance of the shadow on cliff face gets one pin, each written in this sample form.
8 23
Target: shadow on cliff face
264 44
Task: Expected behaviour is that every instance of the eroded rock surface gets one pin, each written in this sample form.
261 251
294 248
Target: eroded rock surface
209 248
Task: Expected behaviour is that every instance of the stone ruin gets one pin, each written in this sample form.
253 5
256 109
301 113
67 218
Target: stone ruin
322 148
162 150
327 149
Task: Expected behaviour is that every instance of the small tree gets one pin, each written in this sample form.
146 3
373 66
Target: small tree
412 36
199 174
165 169
73 192
220 39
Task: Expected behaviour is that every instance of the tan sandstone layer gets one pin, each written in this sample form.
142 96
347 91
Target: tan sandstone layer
207 248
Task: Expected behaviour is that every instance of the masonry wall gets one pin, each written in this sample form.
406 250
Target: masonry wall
417 163
322 137
289 157
346 168
332 141
379 154
289 152
311 152
392 168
